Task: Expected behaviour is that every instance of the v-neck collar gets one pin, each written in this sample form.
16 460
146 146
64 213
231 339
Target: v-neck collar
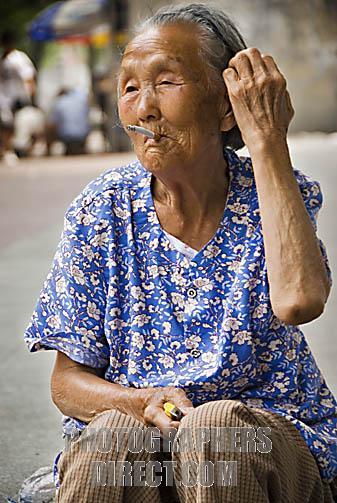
162 252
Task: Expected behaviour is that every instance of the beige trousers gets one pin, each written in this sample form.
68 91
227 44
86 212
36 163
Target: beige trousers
286 474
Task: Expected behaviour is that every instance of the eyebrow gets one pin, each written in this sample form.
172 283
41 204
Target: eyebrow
159 64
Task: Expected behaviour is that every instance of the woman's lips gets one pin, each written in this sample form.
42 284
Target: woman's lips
154 141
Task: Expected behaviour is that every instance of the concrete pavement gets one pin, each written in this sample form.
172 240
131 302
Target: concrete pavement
33 198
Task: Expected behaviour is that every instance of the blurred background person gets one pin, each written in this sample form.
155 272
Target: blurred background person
68 121
17 88
29 131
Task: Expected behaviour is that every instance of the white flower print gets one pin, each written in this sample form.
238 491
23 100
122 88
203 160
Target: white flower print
147 365
238 208
121 213
139 204
245 181
291 354
204 284
138 340
154 244
93 311
219 277
190 305
209 357
260 311
240 220
87 252
100 240
60 285
251 283
274 345
138 306
237 295
233 358
54 322
162 271
192 341
114 311
181 358
85 219
243 337
236 266
78 275
152 217
178 279
153 271
166 327
150 346
45 297
211 251
178 299
141 319
94 279
230 324
137 293
166 361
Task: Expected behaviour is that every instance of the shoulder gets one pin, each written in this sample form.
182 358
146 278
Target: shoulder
22 61
307 185
109 188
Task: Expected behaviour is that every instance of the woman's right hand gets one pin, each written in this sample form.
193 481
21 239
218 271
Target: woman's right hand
147 405
82 392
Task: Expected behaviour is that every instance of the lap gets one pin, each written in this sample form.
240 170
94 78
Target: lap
290 459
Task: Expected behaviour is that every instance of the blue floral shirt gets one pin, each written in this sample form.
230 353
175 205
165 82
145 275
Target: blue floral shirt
120 296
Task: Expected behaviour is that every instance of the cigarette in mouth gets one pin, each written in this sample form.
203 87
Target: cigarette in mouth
142 130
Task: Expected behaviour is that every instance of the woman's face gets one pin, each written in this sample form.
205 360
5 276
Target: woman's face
163 87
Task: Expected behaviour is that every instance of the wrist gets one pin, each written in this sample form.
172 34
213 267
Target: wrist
267 142
271 146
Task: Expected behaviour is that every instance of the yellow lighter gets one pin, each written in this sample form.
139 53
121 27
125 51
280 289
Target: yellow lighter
172 411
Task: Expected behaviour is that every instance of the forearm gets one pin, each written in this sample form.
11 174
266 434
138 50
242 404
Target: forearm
82 394
296 271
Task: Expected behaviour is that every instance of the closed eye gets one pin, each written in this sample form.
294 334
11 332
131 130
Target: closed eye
168 83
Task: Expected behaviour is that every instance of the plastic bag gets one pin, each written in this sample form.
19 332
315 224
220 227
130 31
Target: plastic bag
39 487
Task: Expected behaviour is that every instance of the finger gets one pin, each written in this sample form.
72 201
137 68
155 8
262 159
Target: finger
155 415
289 104
175 424
230 77
270 63
256 60
241 64
180 400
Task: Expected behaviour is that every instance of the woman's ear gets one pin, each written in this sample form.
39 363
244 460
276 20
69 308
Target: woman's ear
227 119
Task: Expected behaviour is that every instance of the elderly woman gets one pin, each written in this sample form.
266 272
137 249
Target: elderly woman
183 276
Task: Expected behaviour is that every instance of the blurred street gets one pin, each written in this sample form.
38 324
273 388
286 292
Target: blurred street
34 195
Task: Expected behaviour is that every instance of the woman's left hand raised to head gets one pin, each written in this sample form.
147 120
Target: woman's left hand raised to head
259 97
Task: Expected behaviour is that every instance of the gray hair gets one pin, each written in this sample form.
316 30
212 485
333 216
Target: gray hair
220 41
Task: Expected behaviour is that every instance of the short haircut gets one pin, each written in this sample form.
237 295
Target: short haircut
220 41
8 37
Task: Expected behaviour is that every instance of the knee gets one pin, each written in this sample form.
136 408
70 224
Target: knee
113 418
217 413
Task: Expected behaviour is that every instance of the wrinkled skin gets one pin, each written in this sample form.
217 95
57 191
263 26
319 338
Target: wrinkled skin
162 87
259 96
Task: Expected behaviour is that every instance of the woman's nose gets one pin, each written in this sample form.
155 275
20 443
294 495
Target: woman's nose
148 108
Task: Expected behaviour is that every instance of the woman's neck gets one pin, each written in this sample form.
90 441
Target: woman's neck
191 207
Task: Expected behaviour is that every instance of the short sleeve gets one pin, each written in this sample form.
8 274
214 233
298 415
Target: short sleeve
313 200
25 67
70 311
